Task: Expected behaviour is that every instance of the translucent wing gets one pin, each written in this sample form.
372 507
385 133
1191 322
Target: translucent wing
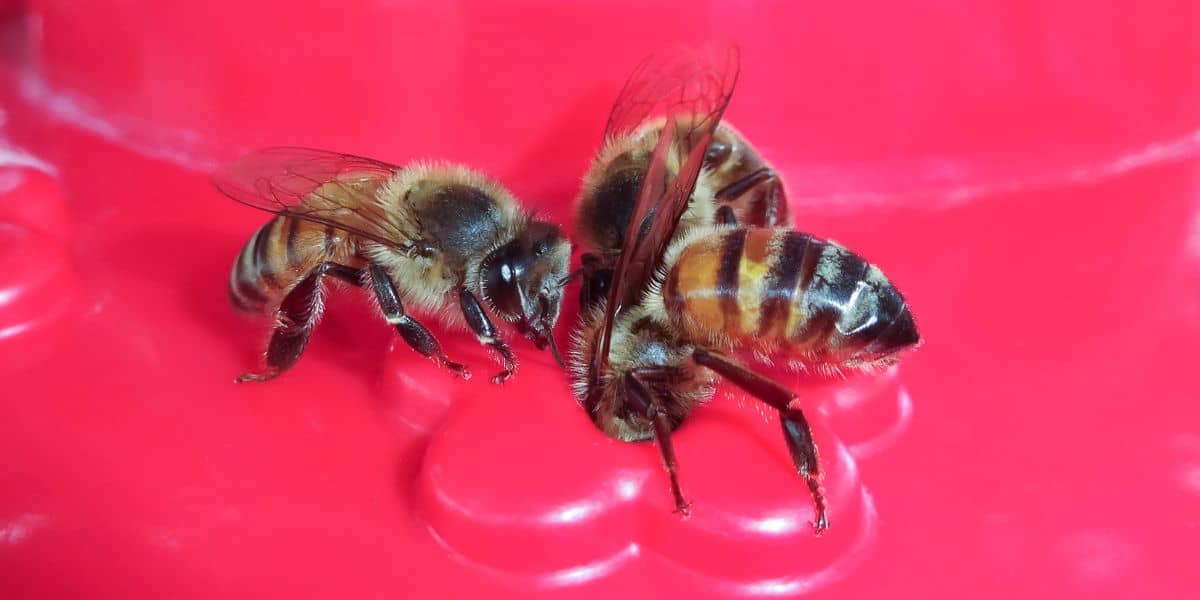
314 185
690 89
680 80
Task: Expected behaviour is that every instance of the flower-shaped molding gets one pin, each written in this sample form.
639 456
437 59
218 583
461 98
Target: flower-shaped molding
522 483
38 287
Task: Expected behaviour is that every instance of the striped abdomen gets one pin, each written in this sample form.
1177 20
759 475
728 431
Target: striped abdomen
279 255
787 289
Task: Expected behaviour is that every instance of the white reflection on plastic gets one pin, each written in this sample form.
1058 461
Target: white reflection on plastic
887 437
21 528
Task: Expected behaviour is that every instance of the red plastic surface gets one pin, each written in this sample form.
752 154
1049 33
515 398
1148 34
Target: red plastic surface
1027 174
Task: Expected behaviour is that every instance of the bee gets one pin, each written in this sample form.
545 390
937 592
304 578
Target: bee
735 184
440 239
686 304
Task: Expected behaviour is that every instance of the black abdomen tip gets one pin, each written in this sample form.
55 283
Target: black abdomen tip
900 334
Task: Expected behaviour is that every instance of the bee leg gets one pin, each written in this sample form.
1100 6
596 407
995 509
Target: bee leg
796 430
775 203
347 274
295 319
421 249
641 399
486 333
596 280
413 332
735 189
725 215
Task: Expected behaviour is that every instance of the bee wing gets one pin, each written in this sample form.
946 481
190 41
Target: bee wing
691 89
314 185
682 80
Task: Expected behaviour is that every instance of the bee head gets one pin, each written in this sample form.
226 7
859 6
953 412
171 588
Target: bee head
523 281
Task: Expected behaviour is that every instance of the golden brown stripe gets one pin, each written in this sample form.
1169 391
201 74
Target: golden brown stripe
695 282
752 275
671 292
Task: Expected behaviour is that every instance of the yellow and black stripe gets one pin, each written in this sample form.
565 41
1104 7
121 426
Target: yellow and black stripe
282 252
777 286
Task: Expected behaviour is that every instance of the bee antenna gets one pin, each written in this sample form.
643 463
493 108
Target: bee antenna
554 351
569 278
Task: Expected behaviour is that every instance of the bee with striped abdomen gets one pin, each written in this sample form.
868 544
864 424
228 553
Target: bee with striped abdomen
438 238
735 183
687 302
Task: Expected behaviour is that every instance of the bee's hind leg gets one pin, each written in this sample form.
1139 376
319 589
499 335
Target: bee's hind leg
596 280
641 399
349 275
295 319
725 215
486 333
796 430
413 332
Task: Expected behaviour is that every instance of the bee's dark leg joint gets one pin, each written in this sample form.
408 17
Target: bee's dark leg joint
796 430
735 189
348 274
725 215
486 333
775 211
774 200
641 399
422 249
413 332
596 281
799 438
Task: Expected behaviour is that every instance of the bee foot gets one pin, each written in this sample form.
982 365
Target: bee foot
683 508
821 524
265 376
503 376
457 369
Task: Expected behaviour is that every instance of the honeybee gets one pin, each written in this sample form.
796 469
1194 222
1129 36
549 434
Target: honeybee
441 239
735 183
684 304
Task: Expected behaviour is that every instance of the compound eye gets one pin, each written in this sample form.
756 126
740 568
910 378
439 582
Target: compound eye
502 284
717 153
501 276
